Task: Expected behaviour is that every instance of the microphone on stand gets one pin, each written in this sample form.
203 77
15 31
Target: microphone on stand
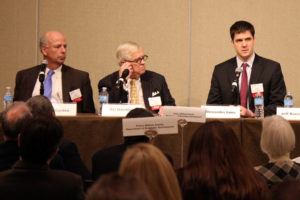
42 76
122 79
235 82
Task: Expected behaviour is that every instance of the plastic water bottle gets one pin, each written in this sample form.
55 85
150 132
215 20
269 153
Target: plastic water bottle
103 98
259 105
288 100
7 99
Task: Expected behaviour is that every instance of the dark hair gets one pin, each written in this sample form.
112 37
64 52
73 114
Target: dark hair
240 27
40 105
13 118
217 167
39 138
116 187
289 189
135 113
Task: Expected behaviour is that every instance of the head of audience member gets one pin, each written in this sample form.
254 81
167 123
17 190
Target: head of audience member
40 105
13 118
135 113
242 39
133 54
53 46
289 189
277 138
39 139
217 168
147 163
116 187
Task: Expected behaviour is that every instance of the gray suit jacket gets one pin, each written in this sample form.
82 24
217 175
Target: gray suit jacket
71 79
264 71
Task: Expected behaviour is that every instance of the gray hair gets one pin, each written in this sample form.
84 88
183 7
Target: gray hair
124 50
278 137
43 40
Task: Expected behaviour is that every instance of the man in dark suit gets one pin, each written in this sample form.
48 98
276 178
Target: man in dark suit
68 84
30 177
108 160
260 74
151 88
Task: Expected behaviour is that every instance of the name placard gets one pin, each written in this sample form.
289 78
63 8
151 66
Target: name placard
289 113
222 111
190 114
118 110
65 109
138 126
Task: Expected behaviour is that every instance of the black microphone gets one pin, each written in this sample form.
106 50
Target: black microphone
122 79
42 76
234 85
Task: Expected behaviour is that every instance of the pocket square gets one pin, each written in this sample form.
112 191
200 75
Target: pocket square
155 93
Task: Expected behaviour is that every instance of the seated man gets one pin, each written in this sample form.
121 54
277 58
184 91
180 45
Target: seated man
109 159
68 152
257 72
30 177
62 83
141 86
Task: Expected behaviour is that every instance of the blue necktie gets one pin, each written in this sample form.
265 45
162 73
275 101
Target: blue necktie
48 84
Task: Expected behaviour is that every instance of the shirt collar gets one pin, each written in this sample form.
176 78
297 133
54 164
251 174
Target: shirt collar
56 70
249 62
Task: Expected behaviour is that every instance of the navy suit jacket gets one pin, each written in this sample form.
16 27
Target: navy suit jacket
71 79
153 84
264 71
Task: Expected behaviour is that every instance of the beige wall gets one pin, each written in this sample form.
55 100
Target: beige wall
184 51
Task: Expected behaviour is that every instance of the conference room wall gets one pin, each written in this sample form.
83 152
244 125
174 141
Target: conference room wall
184 39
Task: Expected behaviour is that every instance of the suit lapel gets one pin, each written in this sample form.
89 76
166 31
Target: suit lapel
65 83
231 71
257 70
146 87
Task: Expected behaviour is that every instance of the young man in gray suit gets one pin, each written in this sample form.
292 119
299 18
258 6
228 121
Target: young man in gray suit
258 74
68 84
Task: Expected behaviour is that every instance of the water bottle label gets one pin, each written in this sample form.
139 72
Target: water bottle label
103 98
258 101
288 102
8 98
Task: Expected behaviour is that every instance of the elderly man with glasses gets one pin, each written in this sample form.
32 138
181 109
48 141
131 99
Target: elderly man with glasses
133 83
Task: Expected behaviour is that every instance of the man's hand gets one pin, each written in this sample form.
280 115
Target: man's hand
246 112
126 65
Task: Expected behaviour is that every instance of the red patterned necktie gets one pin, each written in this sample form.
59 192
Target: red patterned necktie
244 86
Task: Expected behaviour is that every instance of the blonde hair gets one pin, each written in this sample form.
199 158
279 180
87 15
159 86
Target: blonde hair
124 50
149 164
278 137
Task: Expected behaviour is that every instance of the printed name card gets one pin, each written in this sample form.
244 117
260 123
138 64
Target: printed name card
289 113
222 111
190 114
139 126
65 109
118 110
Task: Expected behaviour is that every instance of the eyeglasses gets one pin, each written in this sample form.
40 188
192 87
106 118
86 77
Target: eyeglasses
139 60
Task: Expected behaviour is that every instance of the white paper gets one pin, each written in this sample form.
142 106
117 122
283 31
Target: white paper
228 112
289 113
190 114
118 110
65 109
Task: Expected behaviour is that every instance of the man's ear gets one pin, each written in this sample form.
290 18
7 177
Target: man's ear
43 50
121 62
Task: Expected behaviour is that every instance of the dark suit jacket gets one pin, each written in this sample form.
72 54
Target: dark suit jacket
151 82
108 160
264 71
71 79
37 181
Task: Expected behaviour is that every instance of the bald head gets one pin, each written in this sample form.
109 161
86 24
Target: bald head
13 118
53 46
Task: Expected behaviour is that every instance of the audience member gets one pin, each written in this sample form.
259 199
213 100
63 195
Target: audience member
108 160
30 177
11 121
147 163
41 105
277 141
217 168
116 187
